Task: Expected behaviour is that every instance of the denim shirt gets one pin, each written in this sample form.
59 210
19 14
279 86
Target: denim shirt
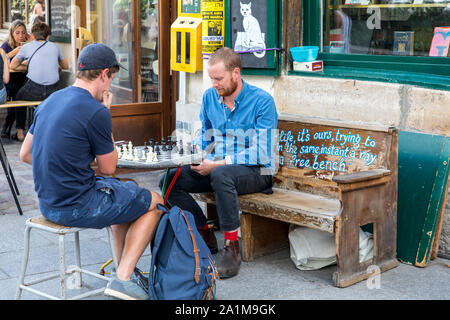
245 135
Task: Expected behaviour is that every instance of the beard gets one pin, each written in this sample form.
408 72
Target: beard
227 91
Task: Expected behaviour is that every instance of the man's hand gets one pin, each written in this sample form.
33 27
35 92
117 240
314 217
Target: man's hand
107 99
206 166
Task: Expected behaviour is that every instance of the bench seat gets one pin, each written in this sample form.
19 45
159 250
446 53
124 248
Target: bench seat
289 206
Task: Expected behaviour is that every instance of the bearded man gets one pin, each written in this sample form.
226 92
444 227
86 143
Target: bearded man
240 120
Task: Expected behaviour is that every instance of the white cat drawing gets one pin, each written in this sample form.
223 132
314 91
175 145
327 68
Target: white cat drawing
252 38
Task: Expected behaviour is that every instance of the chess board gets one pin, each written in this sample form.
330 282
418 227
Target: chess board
174 161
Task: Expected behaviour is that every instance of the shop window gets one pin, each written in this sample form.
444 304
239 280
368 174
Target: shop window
382 39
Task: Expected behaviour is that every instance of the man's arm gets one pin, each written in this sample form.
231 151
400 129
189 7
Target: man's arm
25 150
262 141
14 63
107 163
64 64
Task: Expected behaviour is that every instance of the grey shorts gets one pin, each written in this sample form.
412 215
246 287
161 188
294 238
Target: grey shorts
112 202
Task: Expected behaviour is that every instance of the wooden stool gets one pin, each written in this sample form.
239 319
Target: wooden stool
45 225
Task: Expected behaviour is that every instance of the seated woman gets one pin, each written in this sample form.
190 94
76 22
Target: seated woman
17 37
44 59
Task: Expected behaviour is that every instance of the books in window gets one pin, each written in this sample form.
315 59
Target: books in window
403 43
440 42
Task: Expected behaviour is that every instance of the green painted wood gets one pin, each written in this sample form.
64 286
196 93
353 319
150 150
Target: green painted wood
434 207
419 158
416 79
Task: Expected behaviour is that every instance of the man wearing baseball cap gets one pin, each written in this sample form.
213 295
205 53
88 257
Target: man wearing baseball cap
71 129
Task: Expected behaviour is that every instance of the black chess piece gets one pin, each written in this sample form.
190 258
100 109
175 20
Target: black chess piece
163 145
169 143
181 152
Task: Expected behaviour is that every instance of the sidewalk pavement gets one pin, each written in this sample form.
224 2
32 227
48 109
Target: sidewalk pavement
273 277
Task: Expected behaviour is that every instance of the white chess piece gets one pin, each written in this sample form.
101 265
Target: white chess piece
129 154
135 154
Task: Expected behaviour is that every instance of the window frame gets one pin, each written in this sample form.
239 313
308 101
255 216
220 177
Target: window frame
430 72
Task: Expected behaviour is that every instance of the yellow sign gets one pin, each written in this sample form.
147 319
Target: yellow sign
213 25
189 8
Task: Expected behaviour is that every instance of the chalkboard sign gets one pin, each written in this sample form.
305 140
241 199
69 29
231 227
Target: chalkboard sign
60 20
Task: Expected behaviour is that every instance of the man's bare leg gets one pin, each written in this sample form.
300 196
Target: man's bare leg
137 238
119 236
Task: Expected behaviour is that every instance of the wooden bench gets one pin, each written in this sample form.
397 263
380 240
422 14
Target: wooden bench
332 176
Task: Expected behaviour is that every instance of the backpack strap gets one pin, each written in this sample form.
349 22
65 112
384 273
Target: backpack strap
196 251
29 60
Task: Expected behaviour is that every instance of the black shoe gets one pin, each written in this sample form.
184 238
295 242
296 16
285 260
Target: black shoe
228 260
210 239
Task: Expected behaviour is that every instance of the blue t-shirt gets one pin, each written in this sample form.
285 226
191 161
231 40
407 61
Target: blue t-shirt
44 66
69 129
247 134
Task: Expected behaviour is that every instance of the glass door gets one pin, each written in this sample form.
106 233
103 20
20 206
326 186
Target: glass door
113 24
134 30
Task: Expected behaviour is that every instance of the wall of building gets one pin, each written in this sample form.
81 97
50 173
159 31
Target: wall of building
407 107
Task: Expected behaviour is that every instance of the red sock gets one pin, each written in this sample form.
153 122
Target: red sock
232 236
205 227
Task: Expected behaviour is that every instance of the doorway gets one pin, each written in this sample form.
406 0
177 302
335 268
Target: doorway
138 32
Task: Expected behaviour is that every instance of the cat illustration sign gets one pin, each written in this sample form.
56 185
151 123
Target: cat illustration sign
249 31
251 39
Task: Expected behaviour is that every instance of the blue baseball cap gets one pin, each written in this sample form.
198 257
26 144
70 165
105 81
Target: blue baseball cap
97 56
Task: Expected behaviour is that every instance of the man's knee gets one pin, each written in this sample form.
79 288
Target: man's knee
221 176
156 199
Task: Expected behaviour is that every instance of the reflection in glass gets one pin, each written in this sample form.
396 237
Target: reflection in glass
149 47
383 27
111 23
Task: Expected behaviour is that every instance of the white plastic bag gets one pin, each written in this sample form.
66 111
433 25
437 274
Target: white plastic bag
314 249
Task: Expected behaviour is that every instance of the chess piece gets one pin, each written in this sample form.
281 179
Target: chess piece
181 151
135 154
169 143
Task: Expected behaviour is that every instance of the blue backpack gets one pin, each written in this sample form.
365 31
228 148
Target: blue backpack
182 266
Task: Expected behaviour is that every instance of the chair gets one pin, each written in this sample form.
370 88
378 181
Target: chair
45 225
9 176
